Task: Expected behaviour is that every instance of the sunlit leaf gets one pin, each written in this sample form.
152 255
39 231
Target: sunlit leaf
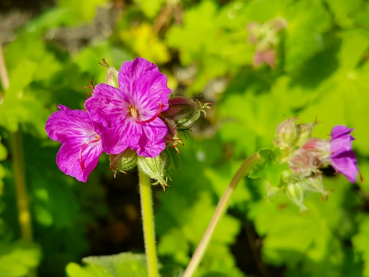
120 265
79 10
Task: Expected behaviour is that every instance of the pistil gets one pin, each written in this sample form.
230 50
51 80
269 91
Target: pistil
96 139
161 106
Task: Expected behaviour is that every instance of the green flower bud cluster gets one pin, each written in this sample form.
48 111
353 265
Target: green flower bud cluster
303 174
180 116
157 168
293 166
265 39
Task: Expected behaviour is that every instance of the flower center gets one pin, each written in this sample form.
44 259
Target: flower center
96 138
133 112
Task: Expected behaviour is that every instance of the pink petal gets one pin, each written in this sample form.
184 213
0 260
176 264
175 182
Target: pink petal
108 106
339 131
68 158
341 144
345 163
65 124
152 141
142 82
118 138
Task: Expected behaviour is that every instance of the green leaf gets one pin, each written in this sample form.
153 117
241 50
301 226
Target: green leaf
343 98
78 9
345 10
304 242
20 77
88 59
75 270
361 243
303 36
219 178
120 265
174 243
268 167
150 7
18 258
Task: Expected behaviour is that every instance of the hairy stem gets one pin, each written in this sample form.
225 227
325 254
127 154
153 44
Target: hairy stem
219 211
148 223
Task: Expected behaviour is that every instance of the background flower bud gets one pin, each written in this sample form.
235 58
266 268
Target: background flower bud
315 184
181 108
111 76
286 133
304 132
295 192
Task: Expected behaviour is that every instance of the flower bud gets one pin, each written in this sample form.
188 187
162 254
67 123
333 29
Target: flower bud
123 162
303 163
286 133
266 56
315 184
295 192
304 132
272 190
111 76
319 149
184 112
181 108
155 168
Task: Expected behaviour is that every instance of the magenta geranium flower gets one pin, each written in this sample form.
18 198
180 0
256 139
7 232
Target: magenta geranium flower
128 115
342 157
81 145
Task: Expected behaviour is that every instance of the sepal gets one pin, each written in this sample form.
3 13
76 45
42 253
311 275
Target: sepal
155 168
123 161
111 76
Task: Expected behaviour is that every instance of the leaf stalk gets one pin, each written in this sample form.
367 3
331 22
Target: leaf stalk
219 211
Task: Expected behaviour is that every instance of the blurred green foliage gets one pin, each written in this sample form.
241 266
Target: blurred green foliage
322 71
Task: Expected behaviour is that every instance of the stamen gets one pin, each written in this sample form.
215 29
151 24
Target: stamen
204 107
90 87
133 112
81 149
161 106
104 63
176 140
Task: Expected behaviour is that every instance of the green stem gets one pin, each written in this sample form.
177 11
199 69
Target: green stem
24 215
148 223
222 206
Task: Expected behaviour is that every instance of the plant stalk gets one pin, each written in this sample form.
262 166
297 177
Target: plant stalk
148 223
24 215
219 211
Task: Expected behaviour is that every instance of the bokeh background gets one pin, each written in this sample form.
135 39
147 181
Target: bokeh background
233 53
